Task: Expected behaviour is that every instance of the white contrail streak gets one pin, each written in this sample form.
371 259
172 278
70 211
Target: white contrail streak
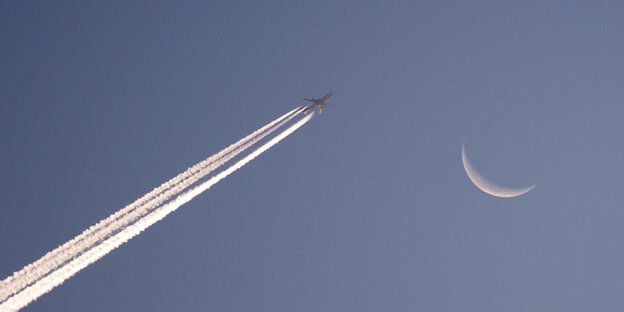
132 212
85 257
161 193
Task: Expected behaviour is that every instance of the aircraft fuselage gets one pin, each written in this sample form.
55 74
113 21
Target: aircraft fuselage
318 102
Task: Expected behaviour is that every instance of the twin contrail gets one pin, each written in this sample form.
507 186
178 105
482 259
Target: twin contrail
129 214
58 265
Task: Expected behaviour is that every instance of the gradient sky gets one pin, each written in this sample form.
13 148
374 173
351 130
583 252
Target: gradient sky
365 208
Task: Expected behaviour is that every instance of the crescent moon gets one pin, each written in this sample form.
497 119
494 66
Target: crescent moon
488 186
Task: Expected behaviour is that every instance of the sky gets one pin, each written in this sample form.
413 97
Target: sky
365 208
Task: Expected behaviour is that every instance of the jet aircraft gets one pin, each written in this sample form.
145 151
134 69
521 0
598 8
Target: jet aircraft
318 102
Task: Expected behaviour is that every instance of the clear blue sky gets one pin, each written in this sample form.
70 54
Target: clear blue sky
367 207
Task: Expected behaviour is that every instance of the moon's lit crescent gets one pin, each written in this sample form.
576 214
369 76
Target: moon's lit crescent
488 186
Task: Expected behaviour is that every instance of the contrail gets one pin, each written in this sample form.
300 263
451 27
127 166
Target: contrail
132 212
124 232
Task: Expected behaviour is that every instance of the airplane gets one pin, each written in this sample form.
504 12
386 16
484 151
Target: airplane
318 102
